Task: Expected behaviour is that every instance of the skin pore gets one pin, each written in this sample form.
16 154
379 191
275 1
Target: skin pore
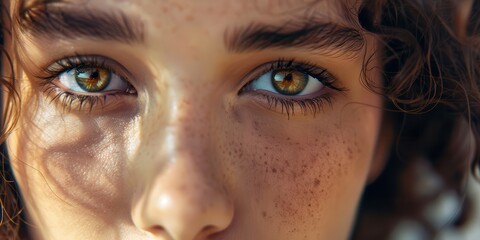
190 147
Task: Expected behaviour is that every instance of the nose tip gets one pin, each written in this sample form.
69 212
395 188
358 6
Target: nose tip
189 220
183 206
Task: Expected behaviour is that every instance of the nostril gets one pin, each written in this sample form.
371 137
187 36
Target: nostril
210 229
159 231
207 231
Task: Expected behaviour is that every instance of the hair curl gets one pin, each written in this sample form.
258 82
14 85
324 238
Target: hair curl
431 78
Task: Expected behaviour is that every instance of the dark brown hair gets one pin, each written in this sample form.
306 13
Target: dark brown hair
431 67
431 78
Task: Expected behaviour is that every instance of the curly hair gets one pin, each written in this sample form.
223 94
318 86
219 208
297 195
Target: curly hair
431 78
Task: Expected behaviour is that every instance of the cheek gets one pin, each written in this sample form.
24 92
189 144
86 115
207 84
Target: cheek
64 158
301 174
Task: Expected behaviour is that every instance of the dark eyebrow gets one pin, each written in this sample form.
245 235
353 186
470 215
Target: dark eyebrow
310 34
76 22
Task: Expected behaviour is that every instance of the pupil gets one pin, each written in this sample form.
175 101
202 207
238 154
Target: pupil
94 74
92 79
289 82
288 77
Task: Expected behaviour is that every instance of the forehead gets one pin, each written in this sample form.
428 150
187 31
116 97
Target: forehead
166 7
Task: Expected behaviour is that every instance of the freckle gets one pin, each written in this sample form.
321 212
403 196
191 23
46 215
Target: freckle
274 170
164 9
316 182
328 154
264 214
189 18
255 125
350 153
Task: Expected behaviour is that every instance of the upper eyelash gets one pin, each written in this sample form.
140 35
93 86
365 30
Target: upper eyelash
77 61
306 67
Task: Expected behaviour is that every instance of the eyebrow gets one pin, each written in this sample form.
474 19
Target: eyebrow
310 34
45 19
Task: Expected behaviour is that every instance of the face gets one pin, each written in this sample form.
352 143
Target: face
192 120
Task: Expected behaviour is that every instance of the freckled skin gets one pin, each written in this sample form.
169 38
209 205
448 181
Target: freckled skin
190 158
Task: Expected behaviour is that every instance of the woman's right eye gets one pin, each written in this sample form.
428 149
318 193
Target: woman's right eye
85 80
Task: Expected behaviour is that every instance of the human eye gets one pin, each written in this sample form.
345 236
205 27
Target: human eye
289 86
83 82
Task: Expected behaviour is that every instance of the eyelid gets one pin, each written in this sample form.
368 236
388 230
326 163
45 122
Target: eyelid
77 61
108 90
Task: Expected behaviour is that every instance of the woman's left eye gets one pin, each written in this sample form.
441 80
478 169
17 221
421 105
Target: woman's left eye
289 82
91 80
290 86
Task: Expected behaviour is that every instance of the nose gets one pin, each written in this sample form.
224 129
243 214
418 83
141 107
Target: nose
183 200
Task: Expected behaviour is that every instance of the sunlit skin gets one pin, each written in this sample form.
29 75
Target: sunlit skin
186 156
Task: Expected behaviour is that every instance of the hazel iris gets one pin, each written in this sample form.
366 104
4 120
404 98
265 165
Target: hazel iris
289 82
92 79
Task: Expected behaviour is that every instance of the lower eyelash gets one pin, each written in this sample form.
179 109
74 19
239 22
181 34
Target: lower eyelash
69 100
307 106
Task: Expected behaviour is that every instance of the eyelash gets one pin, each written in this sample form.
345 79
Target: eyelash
68 99
307 105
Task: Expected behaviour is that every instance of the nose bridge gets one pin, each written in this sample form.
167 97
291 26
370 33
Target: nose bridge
183 198
181 128
190 123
